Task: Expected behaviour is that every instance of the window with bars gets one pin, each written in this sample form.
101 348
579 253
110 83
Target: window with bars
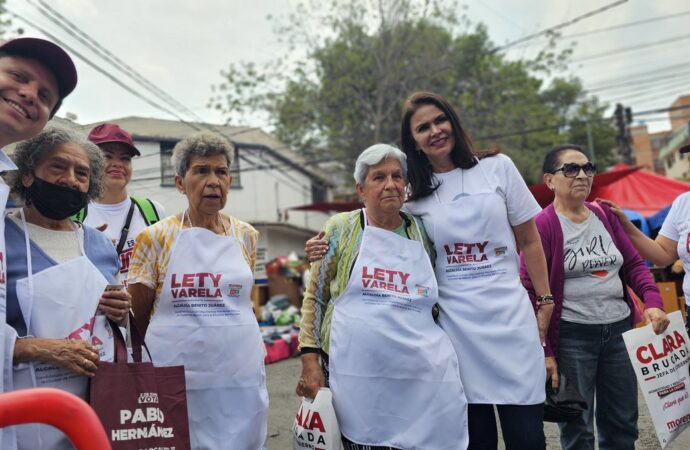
167 169
319 193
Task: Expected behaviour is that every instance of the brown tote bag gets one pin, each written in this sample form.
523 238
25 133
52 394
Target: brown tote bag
140 406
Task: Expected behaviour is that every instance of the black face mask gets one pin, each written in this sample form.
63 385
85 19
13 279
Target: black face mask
54 201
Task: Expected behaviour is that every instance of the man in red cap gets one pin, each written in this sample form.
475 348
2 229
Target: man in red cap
124 216
35 76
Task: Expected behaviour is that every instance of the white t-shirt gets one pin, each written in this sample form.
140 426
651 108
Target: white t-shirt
496 172
114 215
677 228
593 291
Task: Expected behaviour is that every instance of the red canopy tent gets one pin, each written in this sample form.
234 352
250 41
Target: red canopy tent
628 187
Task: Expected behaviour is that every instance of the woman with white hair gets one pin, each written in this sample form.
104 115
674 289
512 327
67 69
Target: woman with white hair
367 314
190 277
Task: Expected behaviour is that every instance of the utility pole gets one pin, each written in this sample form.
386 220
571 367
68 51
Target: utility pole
623 117
590 142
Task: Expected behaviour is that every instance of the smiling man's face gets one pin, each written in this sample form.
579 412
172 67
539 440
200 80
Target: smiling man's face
28 94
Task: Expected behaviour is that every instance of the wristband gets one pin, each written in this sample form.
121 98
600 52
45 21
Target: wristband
545 299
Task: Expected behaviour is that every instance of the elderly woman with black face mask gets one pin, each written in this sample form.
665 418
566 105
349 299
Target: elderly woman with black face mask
57 273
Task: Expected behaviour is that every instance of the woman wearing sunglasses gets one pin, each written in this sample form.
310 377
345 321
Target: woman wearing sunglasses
590 261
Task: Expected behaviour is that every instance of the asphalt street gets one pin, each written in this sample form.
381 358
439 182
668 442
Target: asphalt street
282 377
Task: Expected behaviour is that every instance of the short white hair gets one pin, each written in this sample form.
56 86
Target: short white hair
373 156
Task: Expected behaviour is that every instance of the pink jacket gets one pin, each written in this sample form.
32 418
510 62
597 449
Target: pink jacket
634 272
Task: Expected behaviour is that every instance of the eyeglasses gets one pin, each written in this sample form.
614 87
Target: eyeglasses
572 170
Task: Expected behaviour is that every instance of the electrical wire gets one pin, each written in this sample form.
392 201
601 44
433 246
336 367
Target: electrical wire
561 25
637 47
612 28
74 31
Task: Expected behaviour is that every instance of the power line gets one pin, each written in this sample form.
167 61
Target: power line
643 97
655 71
501 15
632 48
561 25
626 25
114 61
74 31
652 93
615 27
626 84
97 68
661 110
117 63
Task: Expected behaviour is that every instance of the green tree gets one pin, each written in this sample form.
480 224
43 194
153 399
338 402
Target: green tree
365 57
6 23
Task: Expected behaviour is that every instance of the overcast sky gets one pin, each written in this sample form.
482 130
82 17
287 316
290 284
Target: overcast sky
182 45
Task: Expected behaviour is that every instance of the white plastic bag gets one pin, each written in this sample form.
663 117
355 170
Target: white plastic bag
661 364
315 426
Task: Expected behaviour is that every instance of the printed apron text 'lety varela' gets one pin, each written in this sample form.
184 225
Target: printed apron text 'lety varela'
204 321
393 371
55 305
484 308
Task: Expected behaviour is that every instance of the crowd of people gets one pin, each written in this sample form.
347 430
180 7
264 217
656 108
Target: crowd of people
449 295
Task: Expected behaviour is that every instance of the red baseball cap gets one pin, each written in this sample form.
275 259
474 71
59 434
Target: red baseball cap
49 54
110 132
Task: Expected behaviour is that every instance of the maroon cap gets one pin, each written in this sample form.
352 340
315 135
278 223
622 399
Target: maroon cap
684 149
50 55
110 132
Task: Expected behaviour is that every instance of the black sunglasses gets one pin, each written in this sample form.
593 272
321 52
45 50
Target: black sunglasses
571 170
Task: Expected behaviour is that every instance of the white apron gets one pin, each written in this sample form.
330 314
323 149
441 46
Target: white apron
393 371
56 303
484 307
204 321
6 358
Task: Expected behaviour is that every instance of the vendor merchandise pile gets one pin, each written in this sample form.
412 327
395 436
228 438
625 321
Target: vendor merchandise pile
279 311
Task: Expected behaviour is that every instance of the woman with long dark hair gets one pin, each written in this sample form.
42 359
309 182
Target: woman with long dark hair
480 214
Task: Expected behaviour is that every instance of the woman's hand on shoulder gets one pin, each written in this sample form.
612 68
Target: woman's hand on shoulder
312 377
316 247
617 210
657 318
